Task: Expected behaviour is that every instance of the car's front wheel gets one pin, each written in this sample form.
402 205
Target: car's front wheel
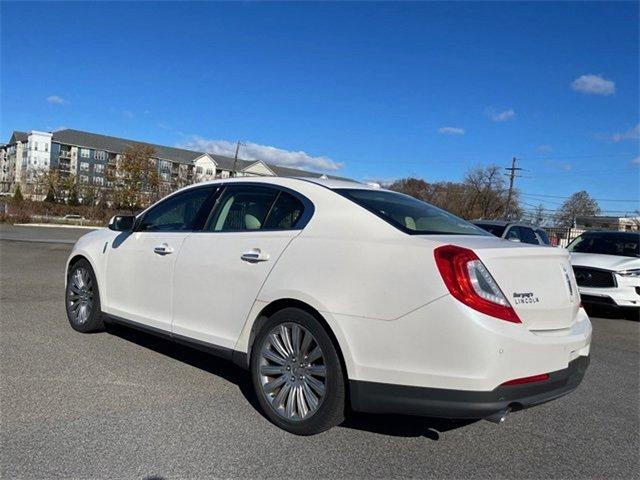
82 298
297 373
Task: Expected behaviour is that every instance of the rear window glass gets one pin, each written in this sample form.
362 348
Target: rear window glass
543 237
409 214
496 230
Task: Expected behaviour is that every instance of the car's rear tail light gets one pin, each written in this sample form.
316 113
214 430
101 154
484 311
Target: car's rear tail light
468 280
531 379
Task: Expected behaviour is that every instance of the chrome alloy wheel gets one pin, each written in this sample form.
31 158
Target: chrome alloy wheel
80 295
292 371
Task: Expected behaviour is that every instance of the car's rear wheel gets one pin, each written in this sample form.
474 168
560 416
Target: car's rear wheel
83 298
297 373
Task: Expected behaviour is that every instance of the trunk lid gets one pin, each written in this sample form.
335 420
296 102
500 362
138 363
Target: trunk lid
538 281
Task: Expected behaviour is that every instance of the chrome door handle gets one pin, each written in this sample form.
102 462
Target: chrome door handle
163 249
255 256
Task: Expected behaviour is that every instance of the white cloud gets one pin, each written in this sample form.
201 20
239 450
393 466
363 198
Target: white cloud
631 134
501 116
451 130
593 85
544 148
636 161
56 100
255 151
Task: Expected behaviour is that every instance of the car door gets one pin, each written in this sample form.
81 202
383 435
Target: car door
140 263
222 268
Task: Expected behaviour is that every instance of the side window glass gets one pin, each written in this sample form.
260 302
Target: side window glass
285 213
512 234
543 237
528 236
242 209
180 213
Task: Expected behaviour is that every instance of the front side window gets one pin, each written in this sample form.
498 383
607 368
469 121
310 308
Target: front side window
183 212
408 214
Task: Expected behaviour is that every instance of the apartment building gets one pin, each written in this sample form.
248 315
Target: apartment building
89 156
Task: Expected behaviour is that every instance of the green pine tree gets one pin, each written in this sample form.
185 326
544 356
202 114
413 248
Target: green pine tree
17 195
51 196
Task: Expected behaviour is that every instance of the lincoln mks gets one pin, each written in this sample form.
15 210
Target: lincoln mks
338 296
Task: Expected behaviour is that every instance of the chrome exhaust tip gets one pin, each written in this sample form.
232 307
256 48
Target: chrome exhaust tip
499 417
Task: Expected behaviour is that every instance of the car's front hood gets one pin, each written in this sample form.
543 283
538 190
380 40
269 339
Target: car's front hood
607 262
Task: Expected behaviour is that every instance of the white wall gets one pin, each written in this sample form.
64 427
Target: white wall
38 153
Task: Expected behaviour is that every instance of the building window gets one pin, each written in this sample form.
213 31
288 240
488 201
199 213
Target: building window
98 168
165 176
35 145
98 181
46 147
209 171
84 166
100 155
84 152
84 179
198 170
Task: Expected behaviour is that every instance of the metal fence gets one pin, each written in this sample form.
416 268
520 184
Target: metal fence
562 236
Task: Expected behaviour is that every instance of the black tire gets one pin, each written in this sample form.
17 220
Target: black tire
330 411
87 295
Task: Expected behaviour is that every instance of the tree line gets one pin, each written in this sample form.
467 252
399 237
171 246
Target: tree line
134 183
482 194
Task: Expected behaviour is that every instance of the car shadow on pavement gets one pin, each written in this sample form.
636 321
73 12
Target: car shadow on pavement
191 356
391 425
403 425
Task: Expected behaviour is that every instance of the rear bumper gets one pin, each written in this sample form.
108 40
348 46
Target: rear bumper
436 402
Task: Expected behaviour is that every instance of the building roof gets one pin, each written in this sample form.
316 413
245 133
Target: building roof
19 137
117 145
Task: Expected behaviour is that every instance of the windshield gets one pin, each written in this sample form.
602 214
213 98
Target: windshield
622 244
496 230
409 214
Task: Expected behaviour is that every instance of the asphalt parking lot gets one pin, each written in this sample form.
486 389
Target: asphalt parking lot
120 404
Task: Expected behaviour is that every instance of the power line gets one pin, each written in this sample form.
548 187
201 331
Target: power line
565 197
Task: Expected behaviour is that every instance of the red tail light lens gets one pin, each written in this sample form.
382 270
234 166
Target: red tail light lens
533 378
468 280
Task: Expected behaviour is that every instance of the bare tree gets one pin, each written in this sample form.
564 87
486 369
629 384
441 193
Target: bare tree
482 194
580 204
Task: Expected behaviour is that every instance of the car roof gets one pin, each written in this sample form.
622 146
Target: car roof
330 183
504 223
611 233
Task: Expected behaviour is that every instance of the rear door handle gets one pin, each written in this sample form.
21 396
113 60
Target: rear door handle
255 256
163 249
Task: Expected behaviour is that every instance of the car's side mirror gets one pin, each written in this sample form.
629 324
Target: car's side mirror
122 223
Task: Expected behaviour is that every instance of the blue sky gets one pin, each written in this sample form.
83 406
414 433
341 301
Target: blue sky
381 90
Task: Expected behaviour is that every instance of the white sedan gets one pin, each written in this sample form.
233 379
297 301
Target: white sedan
607 268
335 295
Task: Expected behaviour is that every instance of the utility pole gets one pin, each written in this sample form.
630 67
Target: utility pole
235 159
512 175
